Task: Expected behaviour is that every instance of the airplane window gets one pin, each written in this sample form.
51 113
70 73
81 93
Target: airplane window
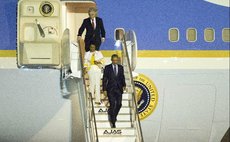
174 34
209 34
226 34
191 35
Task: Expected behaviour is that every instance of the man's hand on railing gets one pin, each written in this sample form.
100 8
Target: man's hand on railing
78 38
102 39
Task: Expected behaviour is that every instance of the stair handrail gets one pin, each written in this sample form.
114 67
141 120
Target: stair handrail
136 117
89 103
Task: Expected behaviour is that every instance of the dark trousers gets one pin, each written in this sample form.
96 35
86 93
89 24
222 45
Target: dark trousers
115 100
96 42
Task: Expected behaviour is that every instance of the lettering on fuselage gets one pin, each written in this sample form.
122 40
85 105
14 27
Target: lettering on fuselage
112 132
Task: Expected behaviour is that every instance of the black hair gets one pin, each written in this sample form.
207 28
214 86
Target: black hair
92 44
114 56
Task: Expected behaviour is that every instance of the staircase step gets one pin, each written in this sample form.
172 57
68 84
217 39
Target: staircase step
117 139
116 131
103 98
124 103
103 109
119 124
126 96
120 117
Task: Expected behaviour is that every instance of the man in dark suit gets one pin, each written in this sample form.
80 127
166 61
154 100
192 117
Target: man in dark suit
95 31
113 86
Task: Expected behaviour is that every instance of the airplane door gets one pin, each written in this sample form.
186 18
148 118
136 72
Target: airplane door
131 42
39 33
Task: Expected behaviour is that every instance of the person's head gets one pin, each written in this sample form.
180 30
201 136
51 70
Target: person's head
114 59
92 12
92 47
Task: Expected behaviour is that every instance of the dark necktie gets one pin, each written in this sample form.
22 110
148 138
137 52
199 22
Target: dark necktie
115 70
93 25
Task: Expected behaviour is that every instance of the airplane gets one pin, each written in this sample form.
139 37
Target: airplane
176 55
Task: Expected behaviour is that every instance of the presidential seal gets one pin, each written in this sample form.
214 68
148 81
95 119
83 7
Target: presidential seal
146 94
46 9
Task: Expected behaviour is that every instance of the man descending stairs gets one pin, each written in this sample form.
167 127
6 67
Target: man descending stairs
124 131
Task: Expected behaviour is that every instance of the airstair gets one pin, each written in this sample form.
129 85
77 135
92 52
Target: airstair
128 128
45 29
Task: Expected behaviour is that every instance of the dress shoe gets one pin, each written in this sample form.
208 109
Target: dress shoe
113 125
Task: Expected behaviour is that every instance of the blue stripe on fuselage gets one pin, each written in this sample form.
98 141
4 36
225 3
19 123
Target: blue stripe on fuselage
151 20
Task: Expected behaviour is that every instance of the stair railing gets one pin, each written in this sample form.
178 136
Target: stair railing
90 115
126 63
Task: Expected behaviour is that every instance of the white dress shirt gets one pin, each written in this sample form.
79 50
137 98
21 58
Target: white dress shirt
115 65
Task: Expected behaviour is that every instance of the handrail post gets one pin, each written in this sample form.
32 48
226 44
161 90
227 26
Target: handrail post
136 117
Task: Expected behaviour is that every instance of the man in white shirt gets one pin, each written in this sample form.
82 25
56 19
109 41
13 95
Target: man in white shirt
93 64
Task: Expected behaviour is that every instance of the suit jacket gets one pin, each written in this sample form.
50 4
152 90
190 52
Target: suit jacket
91 33
110 80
